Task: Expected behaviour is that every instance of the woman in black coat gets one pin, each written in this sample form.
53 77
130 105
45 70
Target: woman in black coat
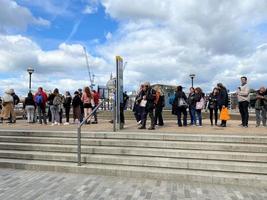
181 101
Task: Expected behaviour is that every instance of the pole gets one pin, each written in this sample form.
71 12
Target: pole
79 147
192 78
30 82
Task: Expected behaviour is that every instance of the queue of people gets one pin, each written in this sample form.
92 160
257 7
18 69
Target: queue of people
150 102
43 108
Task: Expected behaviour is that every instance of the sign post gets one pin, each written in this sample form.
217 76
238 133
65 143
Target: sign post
119 90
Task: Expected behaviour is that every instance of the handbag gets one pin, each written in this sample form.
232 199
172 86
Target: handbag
200 104
224 115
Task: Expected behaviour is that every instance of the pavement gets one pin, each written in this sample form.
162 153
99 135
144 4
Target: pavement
33 185
131 126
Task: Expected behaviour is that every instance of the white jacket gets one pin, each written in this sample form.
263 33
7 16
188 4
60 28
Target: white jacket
243 93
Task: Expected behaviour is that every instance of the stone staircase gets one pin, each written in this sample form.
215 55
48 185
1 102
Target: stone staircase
209 158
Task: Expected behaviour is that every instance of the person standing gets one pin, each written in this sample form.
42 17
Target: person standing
16 101
190 101
8 106
222 100
260 107
67 106
159 105
40 99
96 98
181 101
87 99
123 106
213 106
199 104
76 107
149 100
55 102
30 106
136 107
243 101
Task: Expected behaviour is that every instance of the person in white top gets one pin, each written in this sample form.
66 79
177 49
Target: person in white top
243 101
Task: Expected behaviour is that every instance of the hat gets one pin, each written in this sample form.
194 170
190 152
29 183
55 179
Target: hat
76 92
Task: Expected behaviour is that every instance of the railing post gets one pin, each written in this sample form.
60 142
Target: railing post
79 146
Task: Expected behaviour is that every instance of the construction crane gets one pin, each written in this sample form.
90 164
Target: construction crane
91 77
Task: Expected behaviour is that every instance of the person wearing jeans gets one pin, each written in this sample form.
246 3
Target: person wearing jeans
29 106
181 100
260 107
191 105
213 106
41 105
243 101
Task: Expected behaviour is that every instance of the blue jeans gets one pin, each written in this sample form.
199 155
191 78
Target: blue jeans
192 115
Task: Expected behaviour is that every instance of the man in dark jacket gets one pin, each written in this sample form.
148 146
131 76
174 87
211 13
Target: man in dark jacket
149 96
222 100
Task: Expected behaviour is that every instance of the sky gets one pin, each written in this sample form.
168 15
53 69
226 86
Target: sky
162 41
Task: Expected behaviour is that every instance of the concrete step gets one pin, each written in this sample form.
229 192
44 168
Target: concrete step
261 148
142 172
173 163
134 151
226 138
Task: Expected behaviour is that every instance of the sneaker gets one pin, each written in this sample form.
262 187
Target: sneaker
66 123
139 122
94 122
151 128
245 126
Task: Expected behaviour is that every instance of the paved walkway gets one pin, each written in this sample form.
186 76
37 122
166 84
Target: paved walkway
131 126
32 185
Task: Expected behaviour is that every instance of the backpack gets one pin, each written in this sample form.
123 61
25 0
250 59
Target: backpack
57 100
39 99
182 102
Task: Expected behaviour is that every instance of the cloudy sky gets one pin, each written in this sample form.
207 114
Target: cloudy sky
163 41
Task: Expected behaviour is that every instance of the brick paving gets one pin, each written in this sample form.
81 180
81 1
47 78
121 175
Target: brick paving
32 185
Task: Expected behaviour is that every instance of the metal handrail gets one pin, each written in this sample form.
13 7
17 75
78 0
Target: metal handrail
79 132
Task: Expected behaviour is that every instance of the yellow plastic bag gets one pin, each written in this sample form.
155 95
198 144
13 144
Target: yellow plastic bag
224 115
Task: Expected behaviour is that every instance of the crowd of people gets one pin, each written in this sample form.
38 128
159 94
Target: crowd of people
43 108
35 105
150 102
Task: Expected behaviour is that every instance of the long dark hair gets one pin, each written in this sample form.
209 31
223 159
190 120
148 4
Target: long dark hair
88 92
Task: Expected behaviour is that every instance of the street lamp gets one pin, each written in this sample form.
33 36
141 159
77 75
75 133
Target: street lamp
30 71
192 76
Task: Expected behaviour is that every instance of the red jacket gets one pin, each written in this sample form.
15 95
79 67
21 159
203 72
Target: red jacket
96 98
43 95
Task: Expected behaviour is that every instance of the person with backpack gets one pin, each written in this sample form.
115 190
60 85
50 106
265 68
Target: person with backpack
213 106
67 106
159 105
76 107
181 104
88 103
54 102
30 106
222 100
40 99
148 98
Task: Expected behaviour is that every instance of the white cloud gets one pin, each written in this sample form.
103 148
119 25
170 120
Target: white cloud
16 17
165 41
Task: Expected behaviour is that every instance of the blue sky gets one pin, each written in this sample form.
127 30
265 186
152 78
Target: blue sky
162 41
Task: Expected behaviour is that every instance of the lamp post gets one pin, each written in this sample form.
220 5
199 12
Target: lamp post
30 71
192 76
